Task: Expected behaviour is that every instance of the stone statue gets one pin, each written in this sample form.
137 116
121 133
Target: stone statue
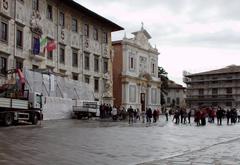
108 86
35 23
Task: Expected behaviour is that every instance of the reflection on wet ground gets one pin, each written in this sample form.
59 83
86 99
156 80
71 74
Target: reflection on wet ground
94 142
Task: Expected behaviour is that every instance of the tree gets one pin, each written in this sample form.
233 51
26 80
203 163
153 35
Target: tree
163 75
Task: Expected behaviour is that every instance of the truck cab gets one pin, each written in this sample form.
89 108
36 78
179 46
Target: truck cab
13 110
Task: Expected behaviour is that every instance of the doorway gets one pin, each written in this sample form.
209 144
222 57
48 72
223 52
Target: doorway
143 101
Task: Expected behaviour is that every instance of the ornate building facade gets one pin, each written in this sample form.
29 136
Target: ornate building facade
135 73
80 38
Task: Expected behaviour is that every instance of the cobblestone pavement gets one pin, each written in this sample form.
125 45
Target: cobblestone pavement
75 142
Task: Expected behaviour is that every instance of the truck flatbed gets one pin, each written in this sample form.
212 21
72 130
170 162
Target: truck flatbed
13 103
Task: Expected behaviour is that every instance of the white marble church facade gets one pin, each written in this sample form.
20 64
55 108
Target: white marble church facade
137 61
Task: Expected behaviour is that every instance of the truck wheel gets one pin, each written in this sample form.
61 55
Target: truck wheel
8 119
34 119
89 115
79 116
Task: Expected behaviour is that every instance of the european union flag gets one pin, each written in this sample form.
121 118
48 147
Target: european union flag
36 46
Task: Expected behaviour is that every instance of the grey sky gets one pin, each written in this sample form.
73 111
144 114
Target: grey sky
193 35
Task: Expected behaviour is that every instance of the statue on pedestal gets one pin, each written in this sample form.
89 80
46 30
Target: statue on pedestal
35 23
107 86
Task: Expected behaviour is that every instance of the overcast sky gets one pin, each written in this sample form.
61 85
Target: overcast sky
192 35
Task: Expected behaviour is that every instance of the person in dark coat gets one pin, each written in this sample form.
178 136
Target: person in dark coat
220 113
155 116
181 115
176 117
130 114
189 114
184 116
212 115
197 117
203 117
149 115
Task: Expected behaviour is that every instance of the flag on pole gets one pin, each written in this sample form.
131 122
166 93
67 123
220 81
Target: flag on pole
36 46
51 45
43 41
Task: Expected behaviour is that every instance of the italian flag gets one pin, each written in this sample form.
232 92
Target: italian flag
51 45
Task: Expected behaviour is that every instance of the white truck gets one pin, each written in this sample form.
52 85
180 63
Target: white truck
86 109
16 103
14 110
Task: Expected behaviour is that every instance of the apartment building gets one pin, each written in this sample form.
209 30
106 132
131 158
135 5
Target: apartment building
219 87
175 95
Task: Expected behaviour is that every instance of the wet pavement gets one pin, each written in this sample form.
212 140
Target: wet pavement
83 142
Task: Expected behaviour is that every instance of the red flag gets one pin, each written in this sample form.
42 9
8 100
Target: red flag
21 76
51 45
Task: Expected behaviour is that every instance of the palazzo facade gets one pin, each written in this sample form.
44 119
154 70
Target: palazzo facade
82 39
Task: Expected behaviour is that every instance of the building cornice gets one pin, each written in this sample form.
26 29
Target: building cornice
125 42
128 77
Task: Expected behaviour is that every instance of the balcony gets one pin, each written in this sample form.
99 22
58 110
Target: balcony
210 98
209 80
210 86
37 57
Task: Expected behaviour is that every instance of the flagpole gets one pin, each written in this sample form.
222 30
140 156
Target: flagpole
57 33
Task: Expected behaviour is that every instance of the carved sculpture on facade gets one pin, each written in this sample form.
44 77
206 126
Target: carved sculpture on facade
105 51
86 43
145 75
111 55
62 34
35 23
5 4
108 86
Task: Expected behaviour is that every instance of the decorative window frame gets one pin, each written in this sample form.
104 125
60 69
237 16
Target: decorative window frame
154 95
132 93
20 28
132 61
5 21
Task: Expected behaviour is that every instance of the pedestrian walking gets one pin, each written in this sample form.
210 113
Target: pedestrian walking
181 115
135 115
176 117
166 114
189 114
238 115
138 114
220 113
228 115
233 116
212 115
143 115
197 117
149 115
155 116
130 115
184 116
114 113
203 117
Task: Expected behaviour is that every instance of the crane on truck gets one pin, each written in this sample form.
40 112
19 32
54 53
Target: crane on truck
16 103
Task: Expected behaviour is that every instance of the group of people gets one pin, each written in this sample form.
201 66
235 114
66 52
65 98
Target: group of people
180 115
202 114
107 111
135 114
